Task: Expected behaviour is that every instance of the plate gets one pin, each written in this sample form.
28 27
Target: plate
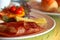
47 13
35 7
50 26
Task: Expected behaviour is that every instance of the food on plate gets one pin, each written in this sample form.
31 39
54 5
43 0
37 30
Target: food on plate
52 6
37 20
13 11
15 23
49 5
12 8
10 13
19 28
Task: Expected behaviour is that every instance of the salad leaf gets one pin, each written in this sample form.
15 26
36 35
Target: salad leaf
6 19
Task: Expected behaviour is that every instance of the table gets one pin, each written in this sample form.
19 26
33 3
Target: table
52 35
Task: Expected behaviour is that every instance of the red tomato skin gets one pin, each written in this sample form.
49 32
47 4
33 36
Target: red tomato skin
19 10
12 8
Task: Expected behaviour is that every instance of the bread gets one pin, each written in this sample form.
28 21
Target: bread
58 1
48 5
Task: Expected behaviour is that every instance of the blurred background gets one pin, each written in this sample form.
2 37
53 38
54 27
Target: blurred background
15 0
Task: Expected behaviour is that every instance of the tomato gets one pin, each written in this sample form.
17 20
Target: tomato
19 10
12 8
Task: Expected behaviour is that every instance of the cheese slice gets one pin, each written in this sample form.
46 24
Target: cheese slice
38 20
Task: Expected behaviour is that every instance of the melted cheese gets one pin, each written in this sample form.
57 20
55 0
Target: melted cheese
38 20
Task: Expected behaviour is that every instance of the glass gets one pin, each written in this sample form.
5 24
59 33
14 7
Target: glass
4 3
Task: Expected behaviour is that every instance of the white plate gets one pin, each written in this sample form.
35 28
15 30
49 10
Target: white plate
51 24
47 13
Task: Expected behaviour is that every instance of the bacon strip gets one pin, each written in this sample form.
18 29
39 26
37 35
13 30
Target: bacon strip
20 28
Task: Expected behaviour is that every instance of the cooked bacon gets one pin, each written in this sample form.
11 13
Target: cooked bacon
20 28
2 28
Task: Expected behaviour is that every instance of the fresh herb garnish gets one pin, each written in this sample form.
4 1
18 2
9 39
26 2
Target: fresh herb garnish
6 19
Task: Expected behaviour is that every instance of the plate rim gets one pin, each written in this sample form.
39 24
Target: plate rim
47 13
